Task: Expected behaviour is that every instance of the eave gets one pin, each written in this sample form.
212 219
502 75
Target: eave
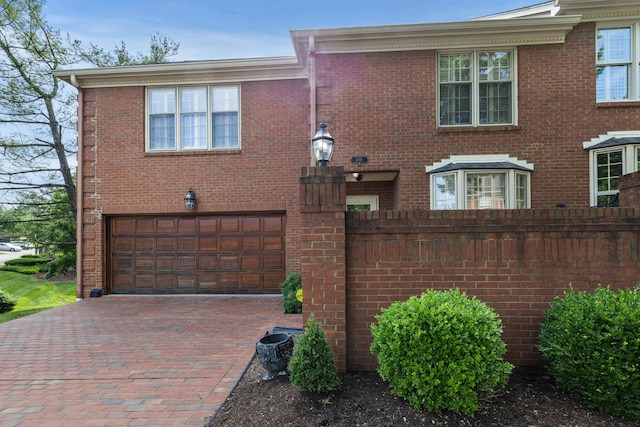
600 10
448 35
190 72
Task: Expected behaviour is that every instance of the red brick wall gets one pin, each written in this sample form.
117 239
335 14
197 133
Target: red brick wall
630 190
119 177
515 261
384 106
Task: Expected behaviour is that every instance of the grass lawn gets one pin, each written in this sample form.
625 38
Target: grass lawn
34 295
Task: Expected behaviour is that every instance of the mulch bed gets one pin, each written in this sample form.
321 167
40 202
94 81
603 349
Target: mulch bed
530 400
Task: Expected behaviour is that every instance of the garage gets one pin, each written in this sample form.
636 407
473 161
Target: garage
196 254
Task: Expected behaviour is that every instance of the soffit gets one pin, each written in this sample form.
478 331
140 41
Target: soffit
189 72
600 10
448 35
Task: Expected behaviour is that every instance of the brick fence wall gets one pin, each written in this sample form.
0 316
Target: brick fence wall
516 261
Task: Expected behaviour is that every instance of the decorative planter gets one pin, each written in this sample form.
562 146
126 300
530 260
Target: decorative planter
274 352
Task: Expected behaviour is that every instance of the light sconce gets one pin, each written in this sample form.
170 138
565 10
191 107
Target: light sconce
322 145
190 200
357 176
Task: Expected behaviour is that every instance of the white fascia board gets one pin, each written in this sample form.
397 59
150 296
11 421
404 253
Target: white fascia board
614 134
479 158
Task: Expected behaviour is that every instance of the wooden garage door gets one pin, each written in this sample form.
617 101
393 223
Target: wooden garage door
203 254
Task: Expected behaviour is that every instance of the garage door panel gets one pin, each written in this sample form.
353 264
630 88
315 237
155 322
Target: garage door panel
187 244
166 244
144 226
187 263
144 245
197 254
229 262
144 262
167 263
208 262
273 243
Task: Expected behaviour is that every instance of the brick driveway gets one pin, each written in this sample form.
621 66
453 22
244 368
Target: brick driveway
130 360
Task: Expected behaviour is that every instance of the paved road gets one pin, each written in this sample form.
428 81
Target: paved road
6 256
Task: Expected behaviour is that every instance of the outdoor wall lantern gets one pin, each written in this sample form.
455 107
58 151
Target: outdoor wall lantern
190 200
322 145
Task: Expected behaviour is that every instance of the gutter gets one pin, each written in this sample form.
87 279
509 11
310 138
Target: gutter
79 191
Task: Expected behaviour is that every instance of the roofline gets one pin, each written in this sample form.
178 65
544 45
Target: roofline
188 72
447 35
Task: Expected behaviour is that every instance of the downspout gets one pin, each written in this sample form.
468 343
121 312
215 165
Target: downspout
313 83
79 190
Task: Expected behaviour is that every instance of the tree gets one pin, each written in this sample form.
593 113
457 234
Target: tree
38 116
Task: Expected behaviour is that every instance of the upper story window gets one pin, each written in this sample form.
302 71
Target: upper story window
476 88
610 157
193 118
617 61
480 182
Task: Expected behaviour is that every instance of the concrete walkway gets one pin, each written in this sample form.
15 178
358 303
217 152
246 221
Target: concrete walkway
131 360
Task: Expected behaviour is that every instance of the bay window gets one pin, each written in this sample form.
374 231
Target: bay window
476 88
617 63
480 182
207 118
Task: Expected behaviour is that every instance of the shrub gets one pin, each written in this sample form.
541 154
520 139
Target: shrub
312 365
289 288
22 269
61 264
591 342
7 302
28 260
441 351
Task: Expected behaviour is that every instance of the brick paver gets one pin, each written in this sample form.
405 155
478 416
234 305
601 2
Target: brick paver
130 360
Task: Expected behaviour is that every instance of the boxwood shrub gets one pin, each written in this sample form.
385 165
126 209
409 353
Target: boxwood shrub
441 351
592 343
289 288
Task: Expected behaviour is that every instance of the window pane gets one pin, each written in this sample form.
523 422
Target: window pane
194 131
193 100
608 170
162 101
613 45
225 130
455 67
486 190
455 104
494 66
612 82
445 192
495 103
162 132
522 201
224 98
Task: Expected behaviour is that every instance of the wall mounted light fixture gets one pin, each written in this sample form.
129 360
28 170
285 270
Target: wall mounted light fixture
322 145
190 200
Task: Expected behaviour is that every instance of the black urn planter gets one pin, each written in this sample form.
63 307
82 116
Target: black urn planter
274 352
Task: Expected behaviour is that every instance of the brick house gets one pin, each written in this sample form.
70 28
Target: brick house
533 108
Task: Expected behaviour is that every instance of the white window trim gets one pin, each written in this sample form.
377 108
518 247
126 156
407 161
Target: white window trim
475 89
634 88
371 200
629 159
177 114
461 177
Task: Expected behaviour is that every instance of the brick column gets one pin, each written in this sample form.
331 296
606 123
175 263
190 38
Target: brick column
323 264
629 190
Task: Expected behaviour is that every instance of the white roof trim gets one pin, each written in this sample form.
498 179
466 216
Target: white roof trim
609 135
479 158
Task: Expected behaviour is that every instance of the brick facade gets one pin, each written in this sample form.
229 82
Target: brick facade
516 261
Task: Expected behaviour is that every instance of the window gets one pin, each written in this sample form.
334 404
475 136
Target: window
362 203
480 182
611 156
207 118
617 62
476 88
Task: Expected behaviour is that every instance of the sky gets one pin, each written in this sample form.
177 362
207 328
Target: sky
213 29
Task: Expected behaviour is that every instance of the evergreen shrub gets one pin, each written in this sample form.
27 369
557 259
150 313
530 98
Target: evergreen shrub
441 351
592 343
312 365
289 288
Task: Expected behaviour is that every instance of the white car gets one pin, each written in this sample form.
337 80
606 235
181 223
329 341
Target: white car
8 247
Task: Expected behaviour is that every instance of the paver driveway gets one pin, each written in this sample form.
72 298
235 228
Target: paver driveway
130 360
